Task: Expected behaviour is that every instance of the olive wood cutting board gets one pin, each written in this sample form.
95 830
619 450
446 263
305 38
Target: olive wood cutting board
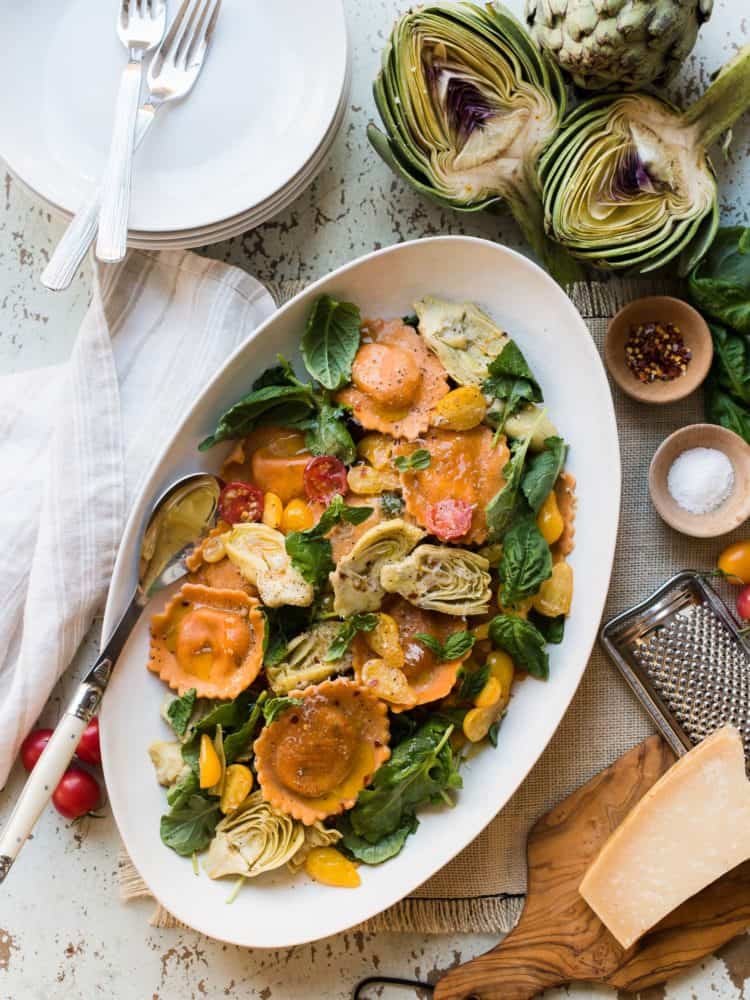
559 939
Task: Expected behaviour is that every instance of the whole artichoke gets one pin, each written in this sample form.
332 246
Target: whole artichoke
623 43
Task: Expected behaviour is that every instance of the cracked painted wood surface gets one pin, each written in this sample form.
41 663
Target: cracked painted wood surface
63 931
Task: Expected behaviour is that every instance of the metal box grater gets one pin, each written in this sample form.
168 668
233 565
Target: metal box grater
681 652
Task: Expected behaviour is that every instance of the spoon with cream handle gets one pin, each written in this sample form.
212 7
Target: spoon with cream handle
178 518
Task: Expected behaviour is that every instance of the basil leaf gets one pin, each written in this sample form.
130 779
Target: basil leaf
418 460
239 744
190 826
553 629
522 642
455 646
720 281
228 715
179 711
492 732
434 645
542 472
391 504
327 433
347 630
511 380
509 502
472 682
526 561
273 708
273 404
311 552
374 854
331 341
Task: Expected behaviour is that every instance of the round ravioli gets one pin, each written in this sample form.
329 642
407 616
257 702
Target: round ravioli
429 678
397 380
271 458
315 759
208 639
449 497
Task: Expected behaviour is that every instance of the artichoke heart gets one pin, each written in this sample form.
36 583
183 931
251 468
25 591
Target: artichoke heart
256 838
463 337
441 578
356 579
305 661
259 553
166 756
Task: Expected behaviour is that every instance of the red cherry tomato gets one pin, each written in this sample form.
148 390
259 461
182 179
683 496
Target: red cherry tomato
32 747
449 519
88 749
240 502
324 477
77 794
743 603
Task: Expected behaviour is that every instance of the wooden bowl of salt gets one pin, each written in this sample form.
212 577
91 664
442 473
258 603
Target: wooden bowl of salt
699 480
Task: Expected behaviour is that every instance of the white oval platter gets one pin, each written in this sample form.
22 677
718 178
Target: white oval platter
277 910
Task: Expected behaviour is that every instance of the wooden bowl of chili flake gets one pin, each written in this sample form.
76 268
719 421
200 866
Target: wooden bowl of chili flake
658 349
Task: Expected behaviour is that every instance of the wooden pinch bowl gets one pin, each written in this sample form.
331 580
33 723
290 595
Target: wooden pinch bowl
662 309
736 508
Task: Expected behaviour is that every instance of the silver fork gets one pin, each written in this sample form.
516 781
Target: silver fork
140 27
171 75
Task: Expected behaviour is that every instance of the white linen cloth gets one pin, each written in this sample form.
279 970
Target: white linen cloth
77 439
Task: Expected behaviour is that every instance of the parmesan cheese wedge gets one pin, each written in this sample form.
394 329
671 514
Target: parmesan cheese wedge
689 829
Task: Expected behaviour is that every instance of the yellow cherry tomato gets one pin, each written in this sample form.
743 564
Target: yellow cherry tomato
549 520
273 510
238 783
387 682
481 632
209 765
502 667
735 562
366 481
477 722
461 409
556 593
329 866
297 516
490 694
386 642
377 449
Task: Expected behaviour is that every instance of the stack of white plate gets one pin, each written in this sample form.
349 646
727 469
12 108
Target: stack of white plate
247 141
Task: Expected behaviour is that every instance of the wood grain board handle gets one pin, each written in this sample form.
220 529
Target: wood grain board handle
498 975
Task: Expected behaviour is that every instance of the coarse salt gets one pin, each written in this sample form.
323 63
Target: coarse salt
700 480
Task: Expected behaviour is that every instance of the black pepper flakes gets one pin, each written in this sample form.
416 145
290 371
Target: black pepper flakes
656 352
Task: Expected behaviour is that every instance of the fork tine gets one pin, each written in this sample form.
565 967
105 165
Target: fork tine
212 22
165 49
199 35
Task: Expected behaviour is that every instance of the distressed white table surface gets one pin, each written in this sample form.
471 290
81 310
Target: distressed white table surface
63 931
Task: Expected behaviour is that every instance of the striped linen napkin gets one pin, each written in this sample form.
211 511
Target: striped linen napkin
76 441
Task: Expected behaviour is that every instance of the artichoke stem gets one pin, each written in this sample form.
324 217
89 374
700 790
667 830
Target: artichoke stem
526 205
724 101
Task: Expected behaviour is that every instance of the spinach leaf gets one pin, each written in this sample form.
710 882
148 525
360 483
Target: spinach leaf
722 409
347 630
731 368
455 646
331 340
374 854
391 504
522 642
239 744
493 731
273 708
190 826
553 629
526 561
310 550
179 711
284 624
327 433
285 405
509 502
542 472
511 380
421 769
418 460
228 715
720 281
182 790
471 682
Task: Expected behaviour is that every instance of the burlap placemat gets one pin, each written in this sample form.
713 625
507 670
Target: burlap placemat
482 889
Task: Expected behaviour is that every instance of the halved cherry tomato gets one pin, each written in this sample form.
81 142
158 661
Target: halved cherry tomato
449 519
240 502
77 794
88 749
325 476
743 603
32 747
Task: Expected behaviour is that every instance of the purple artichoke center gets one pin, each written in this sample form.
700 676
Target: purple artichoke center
632 177
466 108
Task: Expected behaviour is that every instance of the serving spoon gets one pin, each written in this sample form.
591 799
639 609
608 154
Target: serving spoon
179 516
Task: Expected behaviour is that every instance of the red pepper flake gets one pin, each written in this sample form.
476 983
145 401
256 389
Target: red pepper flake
656 351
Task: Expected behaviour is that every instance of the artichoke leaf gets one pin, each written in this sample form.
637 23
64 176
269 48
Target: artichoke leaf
305 661
253 839
356 579
259 553
441 578
169 765
463 337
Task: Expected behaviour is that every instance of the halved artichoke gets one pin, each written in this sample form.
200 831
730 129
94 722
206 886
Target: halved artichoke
441 578
468 103
166 756
356 579
305 661
463 337
259 553
628 182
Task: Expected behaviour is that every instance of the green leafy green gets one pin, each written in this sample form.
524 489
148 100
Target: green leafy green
179 711
720 281
509 502
493 731
327 433
273 708
722 409
190 826
418 460
421 769
228 714
391 504
183 789
523 642
374 854
238 745
455 646
365 622
731 369
472 682
542 472
411 320
511 381
553 629
310 551
283 624
331 340
526 561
